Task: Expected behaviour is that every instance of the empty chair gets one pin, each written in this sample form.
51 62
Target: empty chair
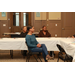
62 54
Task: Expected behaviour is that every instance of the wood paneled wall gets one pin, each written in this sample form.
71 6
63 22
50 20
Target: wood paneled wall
29 18
4 28
3 18
57 23
9 23
16 28
55 27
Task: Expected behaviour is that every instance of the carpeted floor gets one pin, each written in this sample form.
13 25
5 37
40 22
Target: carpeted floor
17 57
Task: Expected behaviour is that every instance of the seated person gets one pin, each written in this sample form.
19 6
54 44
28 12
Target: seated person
44 33
73 36
34 46
24 31
23 34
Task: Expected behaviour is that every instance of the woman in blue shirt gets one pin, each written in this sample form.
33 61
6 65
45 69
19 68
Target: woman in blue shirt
34 46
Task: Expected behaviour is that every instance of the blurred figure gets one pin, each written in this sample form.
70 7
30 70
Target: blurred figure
73 36
23 34
24 31
44 33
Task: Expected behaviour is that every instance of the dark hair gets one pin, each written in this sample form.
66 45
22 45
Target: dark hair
74 35
23 27
29 27
43 26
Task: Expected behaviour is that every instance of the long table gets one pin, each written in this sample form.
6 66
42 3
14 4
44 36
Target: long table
19 44
69 46
17 34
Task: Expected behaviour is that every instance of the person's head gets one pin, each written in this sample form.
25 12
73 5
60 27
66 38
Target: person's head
44 28
30 29
24 29
73 36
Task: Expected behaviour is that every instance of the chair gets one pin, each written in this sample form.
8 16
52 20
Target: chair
62 54
30 53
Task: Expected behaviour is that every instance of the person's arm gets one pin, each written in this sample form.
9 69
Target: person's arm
49 35
39 34
37 42
38 45
29 44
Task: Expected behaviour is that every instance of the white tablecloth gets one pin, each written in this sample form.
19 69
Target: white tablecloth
69 46
19 44
12 44
50 43
18 33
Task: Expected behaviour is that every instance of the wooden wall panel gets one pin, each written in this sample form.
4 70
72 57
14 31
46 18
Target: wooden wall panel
43 16
66 33
4 29
37 18
32 18
54 15
15 28
67 24
44 22
54 25
3 18
74 23
22 24
55 33
39 21
0 28
61 22
54 28
70 24
29 18
9 25
37 26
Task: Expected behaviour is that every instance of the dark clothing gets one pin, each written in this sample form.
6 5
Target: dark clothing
23 34
47 35
42 35
23 51
42 49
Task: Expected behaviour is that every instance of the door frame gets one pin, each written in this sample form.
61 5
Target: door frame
64 28
15 28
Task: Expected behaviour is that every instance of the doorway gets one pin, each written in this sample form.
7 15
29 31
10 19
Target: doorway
67 24
59 24
18 20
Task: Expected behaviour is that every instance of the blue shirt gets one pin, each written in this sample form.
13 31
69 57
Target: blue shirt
31 41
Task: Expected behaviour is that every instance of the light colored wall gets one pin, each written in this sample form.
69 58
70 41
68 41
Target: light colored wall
3 18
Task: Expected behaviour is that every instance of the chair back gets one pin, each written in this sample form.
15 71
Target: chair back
28 47
60 48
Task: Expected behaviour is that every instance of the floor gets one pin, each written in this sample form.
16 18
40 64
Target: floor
17 57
